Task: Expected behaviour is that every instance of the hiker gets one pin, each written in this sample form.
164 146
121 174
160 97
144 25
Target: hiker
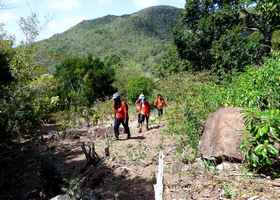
160 103
121 115
138 109
145 110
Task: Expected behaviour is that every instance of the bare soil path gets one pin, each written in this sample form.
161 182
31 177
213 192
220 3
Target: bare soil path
129 172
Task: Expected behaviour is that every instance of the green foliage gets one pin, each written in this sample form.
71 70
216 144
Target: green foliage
261 144
203 23
125 74
225 36
198 95
266 19
257 88
229 193
276 40
5 57
84 80
170 63
139 85
27 99
192 100
233 51
138 38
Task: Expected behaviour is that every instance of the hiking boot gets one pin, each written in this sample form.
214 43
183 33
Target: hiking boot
128 136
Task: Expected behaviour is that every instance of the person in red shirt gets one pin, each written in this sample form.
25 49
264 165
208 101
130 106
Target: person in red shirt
160 103
120 116
145 110
138 109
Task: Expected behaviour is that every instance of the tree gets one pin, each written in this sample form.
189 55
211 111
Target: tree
207 33
170 63
265 18
139 85
84 80
30 26
5 58
202 23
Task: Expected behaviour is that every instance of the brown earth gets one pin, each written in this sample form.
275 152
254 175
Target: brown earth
129 172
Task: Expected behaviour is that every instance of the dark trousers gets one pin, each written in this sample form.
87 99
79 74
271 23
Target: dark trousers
117 124
160 112
142 118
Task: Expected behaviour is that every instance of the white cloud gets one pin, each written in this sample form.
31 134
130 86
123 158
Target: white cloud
64 5
6 17
145 3
105 2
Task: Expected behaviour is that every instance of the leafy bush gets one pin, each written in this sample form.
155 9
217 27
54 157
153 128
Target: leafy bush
5 57
257 88
170 63
261 144
27 99
84 80
139 85
190 102
234 51
197 95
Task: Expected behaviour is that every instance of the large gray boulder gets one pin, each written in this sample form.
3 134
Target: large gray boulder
222 135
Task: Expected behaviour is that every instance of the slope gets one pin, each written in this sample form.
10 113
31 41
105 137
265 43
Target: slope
136 38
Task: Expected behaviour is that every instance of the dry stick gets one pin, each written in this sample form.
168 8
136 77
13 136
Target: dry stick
159 185
88 157
91 155
107 144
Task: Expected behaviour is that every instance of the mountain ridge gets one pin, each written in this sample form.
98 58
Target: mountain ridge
139 37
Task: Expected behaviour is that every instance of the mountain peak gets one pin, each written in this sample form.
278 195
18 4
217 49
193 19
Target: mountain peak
139 36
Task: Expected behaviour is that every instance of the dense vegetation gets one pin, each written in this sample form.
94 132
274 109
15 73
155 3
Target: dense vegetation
256 91
228 39
138 39
225 36
82 81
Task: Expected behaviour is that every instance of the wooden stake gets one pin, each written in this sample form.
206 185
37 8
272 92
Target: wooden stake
159 185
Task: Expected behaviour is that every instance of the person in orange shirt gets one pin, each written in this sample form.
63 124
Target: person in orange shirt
160 103
120 109
144 112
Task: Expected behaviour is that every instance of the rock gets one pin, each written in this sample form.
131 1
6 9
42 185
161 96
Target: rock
222 135
227 166
62 197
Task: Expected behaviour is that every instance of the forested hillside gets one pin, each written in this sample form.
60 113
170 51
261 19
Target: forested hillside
138 39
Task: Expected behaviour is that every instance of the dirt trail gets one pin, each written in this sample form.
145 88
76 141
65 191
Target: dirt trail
129 172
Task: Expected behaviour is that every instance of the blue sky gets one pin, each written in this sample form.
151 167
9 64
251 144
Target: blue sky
59 15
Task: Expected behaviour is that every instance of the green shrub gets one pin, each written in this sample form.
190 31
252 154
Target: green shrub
21 106
139 85
233 51
190 102
257 87
262 141
170 63
82 81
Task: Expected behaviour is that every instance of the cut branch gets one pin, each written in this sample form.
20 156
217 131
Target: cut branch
90 154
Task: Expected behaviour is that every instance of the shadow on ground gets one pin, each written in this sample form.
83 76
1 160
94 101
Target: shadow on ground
26 173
